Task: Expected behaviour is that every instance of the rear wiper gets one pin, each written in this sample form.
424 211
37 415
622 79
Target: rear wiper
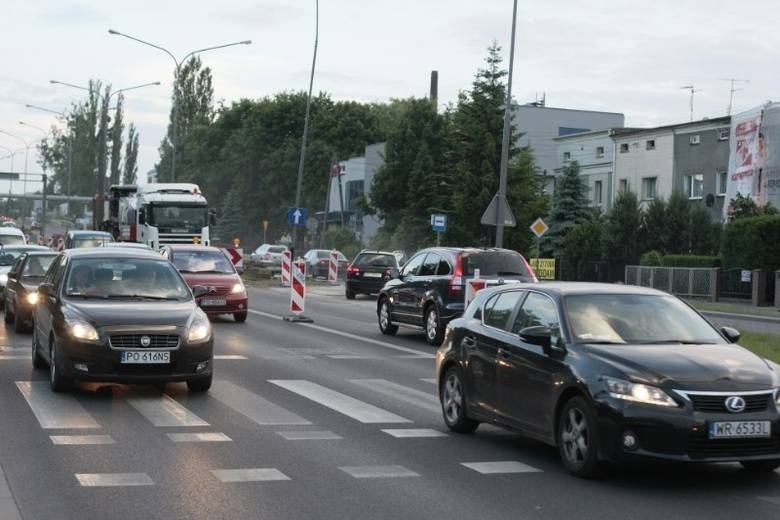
508 273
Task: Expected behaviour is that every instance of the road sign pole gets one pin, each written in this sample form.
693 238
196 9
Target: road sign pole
438 238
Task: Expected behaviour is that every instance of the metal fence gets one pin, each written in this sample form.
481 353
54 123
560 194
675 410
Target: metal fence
732 286
682 281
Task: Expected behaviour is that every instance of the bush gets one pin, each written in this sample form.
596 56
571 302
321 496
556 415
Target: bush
690 261
751 243
651 258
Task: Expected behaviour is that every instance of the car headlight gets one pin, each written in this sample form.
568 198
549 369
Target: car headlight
32 298
638 393
237 288
200 329
4 278
83 330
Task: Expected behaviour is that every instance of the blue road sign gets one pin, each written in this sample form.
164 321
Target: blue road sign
297 216
439 222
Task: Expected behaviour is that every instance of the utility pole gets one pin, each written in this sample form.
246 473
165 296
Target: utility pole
732 90
693 90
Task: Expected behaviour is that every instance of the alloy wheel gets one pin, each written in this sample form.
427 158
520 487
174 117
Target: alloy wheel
432 324
452 398
575 437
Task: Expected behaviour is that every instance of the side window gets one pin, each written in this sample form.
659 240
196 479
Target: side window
56 270
537 310
16 267
501 310
412 265
444 267
429 265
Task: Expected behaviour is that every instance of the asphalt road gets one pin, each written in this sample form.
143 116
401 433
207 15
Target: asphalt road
324 421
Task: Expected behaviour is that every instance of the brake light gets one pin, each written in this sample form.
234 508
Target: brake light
352 270
530 269
455 288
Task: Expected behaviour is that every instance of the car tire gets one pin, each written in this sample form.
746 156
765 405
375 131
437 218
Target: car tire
386 325
240 316
454 404
201 384
577 439
350 294
761 466
8 316
434 330
37 361
57 381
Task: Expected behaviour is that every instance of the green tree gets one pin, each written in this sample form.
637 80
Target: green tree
705 234
581 248
130 167
654 226
569 207
229 223
621 230
678 223
115 132
744 207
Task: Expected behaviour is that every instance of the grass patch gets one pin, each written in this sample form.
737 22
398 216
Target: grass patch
735 308
764 344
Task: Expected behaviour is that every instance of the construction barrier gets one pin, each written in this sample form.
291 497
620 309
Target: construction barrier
298 288
473 285
286 262
333 268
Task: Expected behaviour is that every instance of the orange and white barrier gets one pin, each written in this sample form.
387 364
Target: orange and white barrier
286 263
298 288
333 268
473 285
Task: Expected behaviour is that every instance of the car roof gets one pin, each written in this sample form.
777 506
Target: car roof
40 252
573 288
189 247
108 252
26 247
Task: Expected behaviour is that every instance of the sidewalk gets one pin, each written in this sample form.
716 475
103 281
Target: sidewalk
736 308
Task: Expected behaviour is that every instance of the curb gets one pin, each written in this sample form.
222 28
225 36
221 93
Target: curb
752 317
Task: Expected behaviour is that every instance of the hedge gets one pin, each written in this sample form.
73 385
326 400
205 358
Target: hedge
752 243
690 261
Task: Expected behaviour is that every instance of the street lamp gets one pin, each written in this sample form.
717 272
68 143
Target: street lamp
178 64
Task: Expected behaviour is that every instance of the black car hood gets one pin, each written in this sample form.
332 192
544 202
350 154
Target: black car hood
109 313
720 367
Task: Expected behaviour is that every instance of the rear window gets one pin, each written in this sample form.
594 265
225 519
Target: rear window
494 263
277 249
375 260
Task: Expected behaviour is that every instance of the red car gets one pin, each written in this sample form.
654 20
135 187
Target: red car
211 268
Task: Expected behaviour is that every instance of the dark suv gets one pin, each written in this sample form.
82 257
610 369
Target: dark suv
369 272
430 290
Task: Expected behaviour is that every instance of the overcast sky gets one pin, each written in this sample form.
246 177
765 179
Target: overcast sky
612 55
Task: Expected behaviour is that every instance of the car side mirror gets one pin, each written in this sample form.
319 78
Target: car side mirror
199 290
395 274
142 216
537 335
212 218
45 289
731 334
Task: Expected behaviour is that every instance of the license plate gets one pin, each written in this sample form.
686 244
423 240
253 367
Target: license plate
145 356
739 429
372 275
213 303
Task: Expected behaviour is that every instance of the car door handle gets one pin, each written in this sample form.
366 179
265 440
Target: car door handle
469 342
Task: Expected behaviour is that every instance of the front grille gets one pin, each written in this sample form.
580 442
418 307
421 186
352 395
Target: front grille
183 238
702 448
717 403
218 291
134 340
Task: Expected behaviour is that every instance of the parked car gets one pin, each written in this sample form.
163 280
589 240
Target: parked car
121 316
209 267
369 272
9 255
608 373
429 291
21 290
12 236
268 255
87 238
318 263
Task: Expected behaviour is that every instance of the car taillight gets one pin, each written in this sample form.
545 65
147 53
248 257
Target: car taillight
323 262
352 270
530 269
455 288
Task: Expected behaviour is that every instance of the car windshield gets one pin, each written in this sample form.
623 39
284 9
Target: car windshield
125 278
178 219
8 257
91 241
635 318
495 263
37 265
214 262
376 260
12 240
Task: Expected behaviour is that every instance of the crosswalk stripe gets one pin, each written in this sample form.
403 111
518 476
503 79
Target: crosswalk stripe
414 433
323 435
249 475
431 380
81 440
13 356
342 403
424 400
199 437
55 411
351 356
378 471
113 479
252 406
229 356
161 410
505 466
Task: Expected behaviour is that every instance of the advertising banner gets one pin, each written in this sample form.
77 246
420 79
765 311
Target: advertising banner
744 156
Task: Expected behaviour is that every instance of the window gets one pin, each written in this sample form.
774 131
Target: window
597 193
694 185
599 151
695 139
430 265
723 134
721 178
623 185
650 144
567 156
501 309
410 268
624 148
649 185
444 267
537 310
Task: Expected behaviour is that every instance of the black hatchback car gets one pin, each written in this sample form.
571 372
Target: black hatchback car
21 291
430 290
127 316
607 373
369 272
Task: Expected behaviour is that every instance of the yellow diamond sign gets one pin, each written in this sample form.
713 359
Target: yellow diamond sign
539 227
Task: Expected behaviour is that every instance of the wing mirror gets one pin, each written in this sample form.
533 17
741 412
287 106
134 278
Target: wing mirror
546 337
199 290
395 274
45 289
142 216
731 334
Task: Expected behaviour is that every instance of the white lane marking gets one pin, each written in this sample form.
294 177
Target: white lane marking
323 435
252 406
199 437
351 356
55 411
506 466
12 356
352 336
81 440
8 509
161 410
378 471
113 479
424 400
229 356
431 380
249 475
342 403
414 433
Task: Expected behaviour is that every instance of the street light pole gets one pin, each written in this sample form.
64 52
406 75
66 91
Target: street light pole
178 63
